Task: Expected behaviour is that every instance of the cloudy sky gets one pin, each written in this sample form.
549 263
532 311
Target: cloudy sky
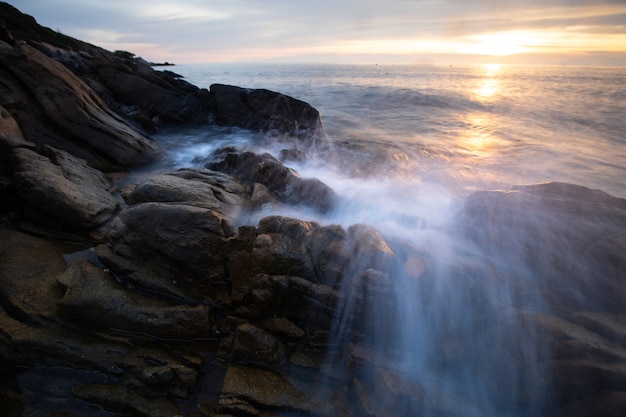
590 32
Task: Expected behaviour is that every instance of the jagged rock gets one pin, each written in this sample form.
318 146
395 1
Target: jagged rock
122 400
28 266
214 190
369 249
252 344
296 299
54 107
93 296
192 236
59 188
156 98
267 111
282 326
567 241
264 389
284 182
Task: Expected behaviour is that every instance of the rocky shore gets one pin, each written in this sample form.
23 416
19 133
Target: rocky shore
149 301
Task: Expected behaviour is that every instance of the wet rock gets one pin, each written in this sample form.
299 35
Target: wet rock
244 386
284 182
566 239
58 188
192 236
252 344
282 326
93 296
274 253
119 399
294 298
214 190
369 249
28 265
54 107
266 111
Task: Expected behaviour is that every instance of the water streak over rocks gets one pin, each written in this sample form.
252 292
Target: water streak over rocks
174 307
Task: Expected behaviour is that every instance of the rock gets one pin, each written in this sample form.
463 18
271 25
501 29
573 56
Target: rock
564 243
282 326
245 387
60 189
214 190
296 299
331 254
276 254
266 111
600 404
93 296
54 107
10 133
119 399
284 182
369 249
252 344
191 236
152 95
28 266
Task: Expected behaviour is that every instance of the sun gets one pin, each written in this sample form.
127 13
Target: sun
501 43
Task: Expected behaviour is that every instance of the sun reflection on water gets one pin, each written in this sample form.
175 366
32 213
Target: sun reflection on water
477 140
489 85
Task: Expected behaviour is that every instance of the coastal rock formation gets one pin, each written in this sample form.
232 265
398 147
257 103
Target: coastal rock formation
158 299
267 111
282 181
54 107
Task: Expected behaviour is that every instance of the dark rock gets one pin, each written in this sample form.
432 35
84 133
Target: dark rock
28 266
252 344
284 182
266 111
296 299
93 296
54 107
60 189
566 241
244 387
214 190
189 235
119 399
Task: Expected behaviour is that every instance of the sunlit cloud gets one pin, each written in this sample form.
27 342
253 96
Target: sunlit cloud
326 30
174 11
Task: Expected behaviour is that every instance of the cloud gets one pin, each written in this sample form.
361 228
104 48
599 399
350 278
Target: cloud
191 30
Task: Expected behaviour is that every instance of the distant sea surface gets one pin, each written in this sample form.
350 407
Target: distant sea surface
460 128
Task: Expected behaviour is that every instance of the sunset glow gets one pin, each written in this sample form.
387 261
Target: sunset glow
398 31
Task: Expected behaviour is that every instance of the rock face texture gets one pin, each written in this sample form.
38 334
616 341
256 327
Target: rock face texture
64 112
157 300
265 110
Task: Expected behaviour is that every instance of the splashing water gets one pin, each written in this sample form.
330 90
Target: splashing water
440 329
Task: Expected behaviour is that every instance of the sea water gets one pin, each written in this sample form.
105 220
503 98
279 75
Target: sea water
406 146
409 141
462 127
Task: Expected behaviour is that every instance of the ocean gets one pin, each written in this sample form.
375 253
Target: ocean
405 147
411 140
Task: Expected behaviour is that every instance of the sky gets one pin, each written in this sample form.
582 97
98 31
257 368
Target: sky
578 32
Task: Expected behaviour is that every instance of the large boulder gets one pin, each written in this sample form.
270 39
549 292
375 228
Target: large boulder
266 111
94 297
60 190
194 237
564 243
54 107
283 182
